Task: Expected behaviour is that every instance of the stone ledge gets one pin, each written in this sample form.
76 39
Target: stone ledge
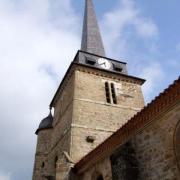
106 104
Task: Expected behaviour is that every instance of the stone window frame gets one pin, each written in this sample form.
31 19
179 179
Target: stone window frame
177 156
113 93
110 91
108 95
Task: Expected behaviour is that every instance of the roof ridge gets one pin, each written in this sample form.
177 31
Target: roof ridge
161 94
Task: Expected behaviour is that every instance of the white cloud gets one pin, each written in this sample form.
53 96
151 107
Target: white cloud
154 74
124 25
173 63
145 27
38 42
116 23
4 176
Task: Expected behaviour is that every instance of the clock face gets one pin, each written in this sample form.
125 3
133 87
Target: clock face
104 63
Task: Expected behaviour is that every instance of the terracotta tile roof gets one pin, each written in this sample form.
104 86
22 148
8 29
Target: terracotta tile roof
153 110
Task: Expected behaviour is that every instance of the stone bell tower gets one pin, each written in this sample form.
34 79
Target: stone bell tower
94 99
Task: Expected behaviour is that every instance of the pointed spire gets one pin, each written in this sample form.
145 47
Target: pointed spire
91 37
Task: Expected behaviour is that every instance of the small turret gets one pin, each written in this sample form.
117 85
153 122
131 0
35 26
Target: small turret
43 133
46 123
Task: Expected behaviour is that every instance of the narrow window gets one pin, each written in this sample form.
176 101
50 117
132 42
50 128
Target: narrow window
55 161
108 99
117 67
43 164
90 61
113 93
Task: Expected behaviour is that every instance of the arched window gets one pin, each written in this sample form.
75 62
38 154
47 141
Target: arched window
177 144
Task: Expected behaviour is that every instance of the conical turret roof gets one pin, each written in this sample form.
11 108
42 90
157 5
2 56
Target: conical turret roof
46 123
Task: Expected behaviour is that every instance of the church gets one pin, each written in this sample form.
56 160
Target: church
101 128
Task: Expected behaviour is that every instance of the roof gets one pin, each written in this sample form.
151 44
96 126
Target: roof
91 37
169 98
46 123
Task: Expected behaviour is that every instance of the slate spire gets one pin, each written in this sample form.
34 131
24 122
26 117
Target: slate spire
91 37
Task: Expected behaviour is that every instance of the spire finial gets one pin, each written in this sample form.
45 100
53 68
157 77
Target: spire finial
91 37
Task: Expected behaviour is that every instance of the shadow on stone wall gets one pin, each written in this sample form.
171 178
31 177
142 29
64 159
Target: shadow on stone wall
124 163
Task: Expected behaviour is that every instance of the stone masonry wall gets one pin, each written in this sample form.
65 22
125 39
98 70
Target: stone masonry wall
177 144
42 149
81 111
152 154
102 168
53 145
155 149
63 113
61 136
124 163
93 116
62 126
57 152
64 100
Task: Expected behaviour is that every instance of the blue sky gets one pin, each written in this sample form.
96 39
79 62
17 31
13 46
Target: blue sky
39 39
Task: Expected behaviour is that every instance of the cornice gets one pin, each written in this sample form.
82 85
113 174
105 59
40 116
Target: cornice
108 74
102 56
62 85
107 104
95 71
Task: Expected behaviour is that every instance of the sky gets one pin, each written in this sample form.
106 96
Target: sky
38 40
